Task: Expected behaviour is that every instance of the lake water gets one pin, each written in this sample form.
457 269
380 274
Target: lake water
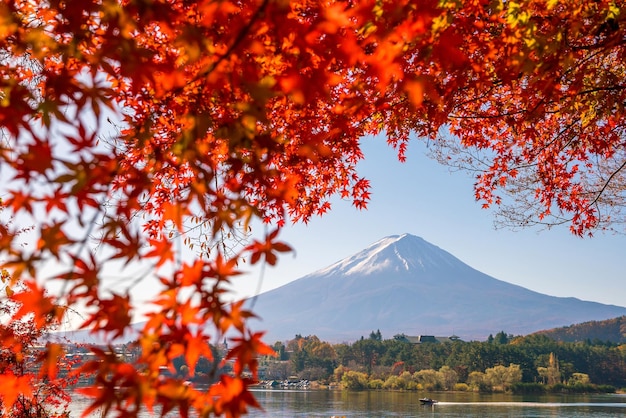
328 403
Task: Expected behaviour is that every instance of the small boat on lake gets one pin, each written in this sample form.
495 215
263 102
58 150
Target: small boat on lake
428 401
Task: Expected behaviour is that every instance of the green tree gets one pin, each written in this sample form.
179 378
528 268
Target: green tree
579 379
552 373
377 336
280 349
367 352
311 353
394 351
476 380
354 380
502 378
448 377
429 379
502 338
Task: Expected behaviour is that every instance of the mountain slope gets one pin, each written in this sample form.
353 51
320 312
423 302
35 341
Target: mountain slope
403 284
611 330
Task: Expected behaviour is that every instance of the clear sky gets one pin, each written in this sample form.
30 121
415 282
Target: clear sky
423 198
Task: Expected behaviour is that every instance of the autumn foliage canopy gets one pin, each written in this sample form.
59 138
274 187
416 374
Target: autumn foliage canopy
128 125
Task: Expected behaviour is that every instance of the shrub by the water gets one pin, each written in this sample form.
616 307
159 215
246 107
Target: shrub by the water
354 380
461 387
606 389
580 388
376 384
523 388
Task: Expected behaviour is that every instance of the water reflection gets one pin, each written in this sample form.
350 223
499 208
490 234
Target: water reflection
320 403
406 404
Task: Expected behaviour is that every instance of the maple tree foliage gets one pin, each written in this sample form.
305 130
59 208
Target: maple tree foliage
128 123
547 131
34 384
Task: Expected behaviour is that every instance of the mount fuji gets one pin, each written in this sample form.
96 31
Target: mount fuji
403 284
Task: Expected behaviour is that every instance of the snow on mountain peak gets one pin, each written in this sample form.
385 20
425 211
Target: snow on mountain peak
404 284
393 253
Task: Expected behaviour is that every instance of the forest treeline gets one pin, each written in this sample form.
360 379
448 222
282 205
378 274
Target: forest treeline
533 363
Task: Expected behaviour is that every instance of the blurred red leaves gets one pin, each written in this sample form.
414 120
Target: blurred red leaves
128 126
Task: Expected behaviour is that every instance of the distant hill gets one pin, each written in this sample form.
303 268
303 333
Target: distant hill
403 284
609 330
86 337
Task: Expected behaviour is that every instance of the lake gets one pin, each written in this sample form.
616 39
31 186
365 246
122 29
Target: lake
328 403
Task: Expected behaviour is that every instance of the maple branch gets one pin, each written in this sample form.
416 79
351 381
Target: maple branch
477 115
607 43
618 87
486 94
554 140
82 245
257 292
607 182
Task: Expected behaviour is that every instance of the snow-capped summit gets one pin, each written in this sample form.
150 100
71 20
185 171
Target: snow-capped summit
394 253
403 284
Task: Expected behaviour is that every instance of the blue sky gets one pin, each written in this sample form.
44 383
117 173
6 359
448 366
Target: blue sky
423 198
